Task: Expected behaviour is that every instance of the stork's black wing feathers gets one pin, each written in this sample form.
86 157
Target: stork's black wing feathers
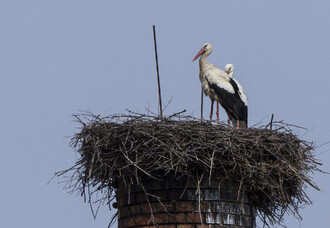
231 102
241 106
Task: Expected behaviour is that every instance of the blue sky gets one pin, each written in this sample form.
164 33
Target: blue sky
59 57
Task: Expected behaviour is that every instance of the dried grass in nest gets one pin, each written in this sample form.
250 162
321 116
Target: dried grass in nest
273 164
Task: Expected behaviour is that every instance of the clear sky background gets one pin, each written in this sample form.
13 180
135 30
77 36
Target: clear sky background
61 56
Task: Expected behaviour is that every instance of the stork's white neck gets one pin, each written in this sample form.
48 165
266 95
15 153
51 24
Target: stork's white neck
202 59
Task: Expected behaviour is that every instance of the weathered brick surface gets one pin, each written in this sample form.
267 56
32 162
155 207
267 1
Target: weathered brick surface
185 226
180 207
185 206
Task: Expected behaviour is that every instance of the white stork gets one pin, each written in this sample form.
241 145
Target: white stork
219 86
229 69
204 66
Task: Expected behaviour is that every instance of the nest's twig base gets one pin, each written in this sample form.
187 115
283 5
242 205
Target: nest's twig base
273 165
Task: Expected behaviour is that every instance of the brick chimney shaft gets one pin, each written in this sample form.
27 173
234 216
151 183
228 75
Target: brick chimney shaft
176 204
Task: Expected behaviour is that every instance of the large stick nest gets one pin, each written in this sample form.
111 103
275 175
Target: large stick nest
270 161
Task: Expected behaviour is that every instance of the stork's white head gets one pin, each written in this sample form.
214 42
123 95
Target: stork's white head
229 68
205 50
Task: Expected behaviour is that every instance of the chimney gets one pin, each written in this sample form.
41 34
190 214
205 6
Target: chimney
182 204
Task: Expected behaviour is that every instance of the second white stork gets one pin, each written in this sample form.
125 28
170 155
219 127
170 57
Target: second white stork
229 69
218 85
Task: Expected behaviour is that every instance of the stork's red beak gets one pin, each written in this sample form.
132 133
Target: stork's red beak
198 54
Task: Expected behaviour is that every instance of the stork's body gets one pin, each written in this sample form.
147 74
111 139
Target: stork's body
229 69
220 87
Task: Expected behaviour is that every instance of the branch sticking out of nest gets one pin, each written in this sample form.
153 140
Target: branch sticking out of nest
273 164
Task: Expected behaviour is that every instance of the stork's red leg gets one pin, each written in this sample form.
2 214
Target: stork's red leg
211 110
218 112
237 123
228 121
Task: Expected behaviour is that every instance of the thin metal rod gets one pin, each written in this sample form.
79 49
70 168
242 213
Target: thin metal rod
202 105
271 122
158 80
